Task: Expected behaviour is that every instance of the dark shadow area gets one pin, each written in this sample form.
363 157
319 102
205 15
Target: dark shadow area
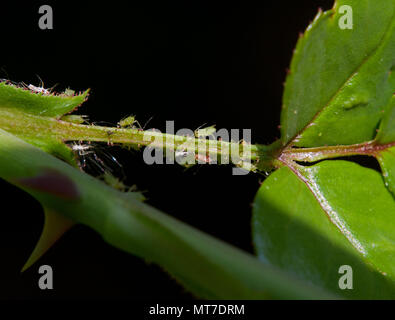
191 63
364 161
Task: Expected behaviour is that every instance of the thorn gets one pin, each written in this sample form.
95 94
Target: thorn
55 226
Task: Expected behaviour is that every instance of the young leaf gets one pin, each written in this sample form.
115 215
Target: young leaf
330 219
43 104
340 80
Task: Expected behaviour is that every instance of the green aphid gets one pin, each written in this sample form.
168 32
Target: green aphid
247 166
114 181
205 132
128 122
69 92
74 118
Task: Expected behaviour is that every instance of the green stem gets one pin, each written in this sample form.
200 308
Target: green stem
31 126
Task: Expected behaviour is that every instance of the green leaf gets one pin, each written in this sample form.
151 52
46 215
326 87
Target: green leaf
329 219
340 86
206 266
43 104
340 80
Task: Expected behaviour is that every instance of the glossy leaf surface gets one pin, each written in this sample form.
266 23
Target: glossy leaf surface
340 79
312 228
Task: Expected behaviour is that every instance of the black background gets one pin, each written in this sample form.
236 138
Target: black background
192 62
